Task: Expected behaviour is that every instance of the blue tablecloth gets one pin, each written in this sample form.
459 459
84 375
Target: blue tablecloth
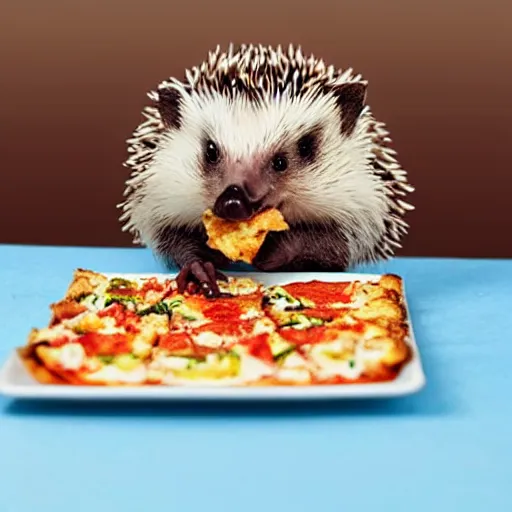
448 448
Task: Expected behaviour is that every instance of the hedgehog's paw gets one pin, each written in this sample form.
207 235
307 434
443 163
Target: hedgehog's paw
200 275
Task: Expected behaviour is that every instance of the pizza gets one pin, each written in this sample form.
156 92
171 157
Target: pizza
124 330
241 240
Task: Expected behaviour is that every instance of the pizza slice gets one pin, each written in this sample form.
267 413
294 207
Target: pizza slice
102 332
107 347
308 304
365 341
241 240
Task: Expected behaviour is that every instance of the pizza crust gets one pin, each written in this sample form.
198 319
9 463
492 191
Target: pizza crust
84 282
36 368
241 241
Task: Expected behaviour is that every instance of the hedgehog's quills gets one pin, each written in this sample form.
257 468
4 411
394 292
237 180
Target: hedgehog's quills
289 132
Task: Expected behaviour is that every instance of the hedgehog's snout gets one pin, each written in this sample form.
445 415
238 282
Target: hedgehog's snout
234 204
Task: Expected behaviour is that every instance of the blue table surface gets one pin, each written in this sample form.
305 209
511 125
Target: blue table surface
447 448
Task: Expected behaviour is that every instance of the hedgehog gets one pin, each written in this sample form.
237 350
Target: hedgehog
256 127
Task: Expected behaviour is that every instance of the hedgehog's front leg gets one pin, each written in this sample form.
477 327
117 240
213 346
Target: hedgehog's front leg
305 247
198 263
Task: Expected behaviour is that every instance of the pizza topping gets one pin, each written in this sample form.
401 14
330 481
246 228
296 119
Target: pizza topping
186 312
214 366
123 317
309 336
178 343
154 291
53 335
209 339
129 301
121 286
280 347
301 321
66 309
112 374
263 325
281 300
72 356
259 347
104 344
240 286
293 367
223 329
253 368
159 308
284 353
251 314
152 284
221 310
126 362
320 293
93 301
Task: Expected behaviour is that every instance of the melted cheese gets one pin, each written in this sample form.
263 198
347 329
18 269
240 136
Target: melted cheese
352 361
294 368
208 339
239 286
253 369
72 356
251 313
52 333
111 373
294 374
265 325
108 326
281 304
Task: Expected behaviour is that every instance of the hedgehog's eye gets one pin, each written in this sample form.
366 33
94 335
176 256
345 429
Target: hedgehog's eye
280 163
306 146
211 152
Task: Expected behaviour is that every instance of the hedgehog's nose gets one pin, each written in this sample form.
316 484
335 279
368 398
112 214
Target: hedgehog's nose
233 204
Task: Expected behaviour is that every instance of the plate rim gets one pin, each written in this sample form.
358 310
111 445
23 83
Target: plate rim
413 384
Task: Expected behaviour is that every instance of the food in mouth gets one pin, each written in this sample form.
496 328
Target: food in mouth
241 240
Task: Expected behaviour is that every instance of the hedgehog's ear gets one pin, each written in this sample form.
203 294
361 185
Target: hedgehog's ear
168 104
350 98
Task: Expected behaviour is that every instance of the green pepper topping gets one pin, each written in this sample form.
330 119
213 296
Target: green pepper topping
160 308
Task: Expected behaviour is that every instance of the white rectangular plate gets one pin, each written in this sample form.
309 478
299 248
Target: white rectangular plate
16 382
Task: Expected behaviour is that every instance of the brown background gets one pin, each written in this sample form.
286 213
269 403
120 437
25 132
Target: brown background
74 75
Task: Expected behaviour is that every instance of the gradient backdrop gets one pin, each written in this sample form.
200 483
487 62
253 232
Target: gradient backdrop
74 76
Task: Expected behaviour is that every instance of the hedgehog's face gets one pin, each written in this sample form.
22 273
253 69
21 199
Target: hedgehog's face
238 156
250 156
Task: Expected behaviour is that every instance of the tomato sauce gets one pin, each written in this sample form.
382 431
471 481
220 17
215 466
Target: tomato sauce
222 310
326 314
105 344
180 343
225 309
124 292
233 328
259 347
59 342
320 292
308 336
154 285
123 317
176 341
